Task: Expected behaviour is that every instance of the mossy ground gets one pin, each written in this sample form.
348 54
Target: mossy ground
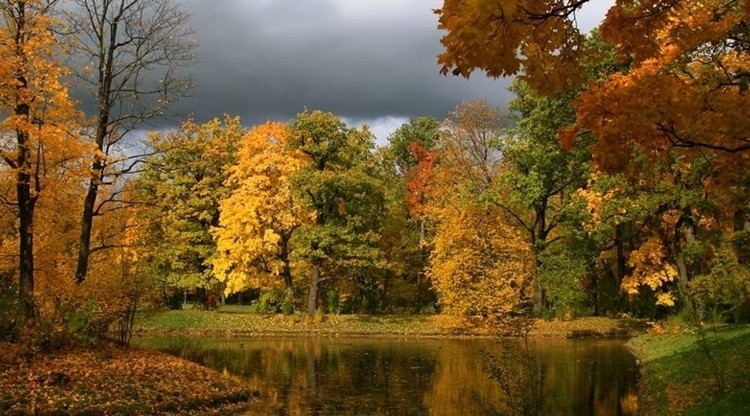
684 373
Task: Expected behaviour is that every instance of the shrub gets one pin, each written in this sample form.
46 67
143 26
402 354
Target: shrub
11 313
270 301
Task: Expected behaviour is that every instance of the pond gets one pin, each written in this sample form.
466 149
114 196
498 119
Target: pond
365 376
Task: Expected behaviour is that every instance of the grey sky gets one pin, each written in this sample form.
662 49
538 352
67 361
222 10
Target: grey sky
371 61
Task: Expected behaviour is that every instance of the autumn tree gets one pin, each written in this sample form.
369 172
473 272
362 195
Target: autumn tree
538 178
687 77
679 102
637 224
128 55
537 39
480 265
258 219
404 235
421 131
184 180
120 283
408 228
39 143
470 144
339 187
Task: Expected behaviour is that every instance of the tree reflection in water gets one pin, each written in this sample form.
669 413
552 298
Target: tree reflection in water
335 376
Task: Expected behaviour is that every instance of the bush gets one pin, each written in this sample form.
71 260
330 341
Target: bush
11 313
723 292
561 274
270 301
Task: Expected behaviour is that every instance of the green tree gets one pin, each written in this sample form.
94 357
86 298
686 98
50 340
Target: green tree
538 178
184 180
405 285
340 187
423 131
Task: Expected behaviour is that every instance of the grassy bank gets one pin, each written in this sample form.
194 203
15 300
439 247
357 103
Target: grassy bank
684 374
233 320
112 381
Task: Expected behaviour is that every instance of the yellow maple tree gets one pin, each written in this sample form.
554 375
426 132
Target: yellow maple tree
257 220
479 264
39 142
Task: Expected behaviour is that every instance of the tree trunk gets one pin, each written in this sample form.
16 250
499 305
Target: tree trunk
312 295
683 275
288 289
538 296
538 245
538 307
87 221
26 203
620 267
595 294
97 166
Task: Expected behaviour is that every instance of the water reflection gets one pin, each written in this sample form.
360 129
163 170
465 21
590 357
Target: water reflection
333 376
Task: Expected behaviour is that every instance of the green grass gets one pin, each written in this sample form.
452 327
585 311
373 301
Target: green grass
237 320
681 375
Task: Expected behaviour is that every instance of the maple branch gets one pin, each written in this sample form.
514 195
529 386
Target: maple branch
515 216
562 11
12 163
676 140
105 246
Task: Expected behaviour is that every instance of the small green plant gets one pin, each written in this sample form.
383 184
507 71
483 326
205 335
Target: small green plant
10 312
332 301
81 324
270 301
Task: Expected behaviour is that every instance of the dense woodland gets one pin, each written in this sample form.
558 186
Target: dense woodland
616 182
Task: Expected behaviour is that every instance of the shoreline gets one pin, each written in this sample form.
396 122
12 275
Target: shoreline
139 381
218 324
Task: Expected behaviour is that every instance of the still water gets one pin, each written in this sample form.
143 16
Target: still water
440 377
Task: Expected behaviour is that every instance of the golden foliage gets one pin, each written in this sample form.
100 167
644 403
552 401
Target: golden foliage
650 268
537 39
686 86
41 147
479 265
681 82
259 216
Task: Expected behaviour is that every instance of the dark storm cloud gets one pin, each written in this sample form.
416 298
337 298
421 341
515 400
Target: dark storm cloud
363 59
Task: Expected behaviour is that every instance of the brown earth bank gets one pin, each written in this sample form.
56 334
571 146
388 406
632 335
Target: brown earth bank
112 381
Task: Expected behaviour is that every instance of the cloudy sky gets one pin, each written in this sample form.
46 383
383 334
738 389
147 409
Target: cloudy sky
369 61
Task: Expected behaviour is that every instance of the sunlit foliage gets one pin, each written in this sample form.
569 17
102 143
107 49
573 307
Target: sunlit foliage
258 219
479 265
184 181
